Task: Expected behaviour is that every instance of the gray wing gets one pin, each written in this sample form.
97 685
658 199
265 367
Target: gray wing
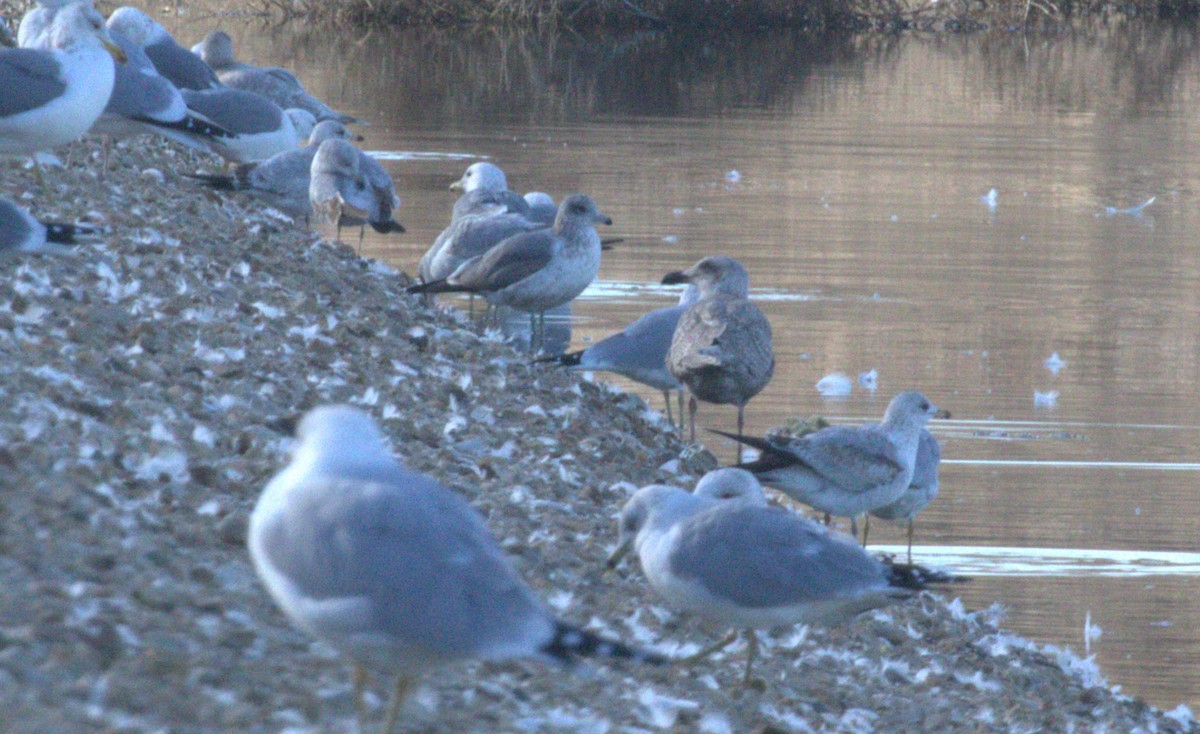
138 95
642 346
852 458
489 202
764 556
420 556
509 262
185 69
473 236
284 174
929 455
236 111
29 78
281 87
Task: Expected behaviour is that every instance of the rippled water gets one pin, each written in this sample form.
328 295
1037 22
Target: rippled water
857 209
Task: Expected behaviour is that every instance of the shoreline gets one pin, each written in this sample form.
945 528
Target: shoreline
148 387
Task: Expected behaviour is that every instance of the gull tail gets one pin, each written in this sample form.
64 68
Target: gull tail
59 233
771 456
435 286
190 124
387 227
572 359
570 641
919 577
218 181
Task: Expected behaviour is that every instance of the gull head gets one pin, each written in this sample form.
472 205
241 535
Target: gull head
730 483
909 409
136 26
481 176
79 24
714 274
578 210
339 434
217 50
331 130
650 509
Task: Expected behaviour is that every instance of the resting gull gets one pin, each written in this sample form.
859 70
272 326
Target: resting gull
392 569
182 67
20 231
259 127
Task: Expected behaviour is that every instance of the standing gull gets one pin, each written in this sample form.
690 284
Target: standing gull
743 564
639 351
182 67
275 83
922 489
52 96
390 568
534 271
845 470
20 231
721 349
341 192
382 215
281 180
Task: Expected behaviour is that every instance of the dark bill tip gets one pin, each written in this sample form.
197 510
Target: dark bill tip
675 278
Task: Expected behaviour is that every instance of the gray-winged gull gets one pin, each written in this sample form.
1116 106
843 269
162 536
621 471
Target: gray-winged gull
639 351
538 270
52 96
847 470
922 489
182 67
485 190
260 127
382 216
281 180
723 554
470 236
33 31
275 83
721 349
20 231
341 192
393 570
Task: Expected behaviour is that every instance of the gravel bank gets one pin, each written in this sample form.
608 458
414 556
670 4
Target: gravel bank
147 386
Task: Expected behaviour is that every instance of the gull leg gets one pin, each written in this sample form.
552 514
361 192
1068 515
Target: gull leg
717 646
752 644
692 407
866 528
910 537
362 235
399 695
828 519
854 526
679 403
667 400
740 425
471 307
360 704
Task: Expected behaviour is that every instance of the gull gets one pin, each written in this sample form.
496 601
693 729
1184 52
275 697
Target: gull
52 96
541 206
721 349
847 470
281 180
33 31
534 271
921 490
259 127
275 83
381 215
182 67
393 570
341 192
639 351
723 554
485 187
20 231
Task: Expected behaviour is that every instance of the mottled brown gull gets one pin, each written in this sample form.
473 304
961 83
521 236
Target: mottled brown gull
393 570
721 349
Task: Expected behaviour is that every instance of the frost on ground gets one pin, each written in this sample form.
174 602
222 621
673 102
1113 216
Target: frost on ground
147 389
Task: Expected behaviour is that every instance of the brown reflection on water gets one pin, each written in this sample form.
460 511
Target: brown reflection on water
858 215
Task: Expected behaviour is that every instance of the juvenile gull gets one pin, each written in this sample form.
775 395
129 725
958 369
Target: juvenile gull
281 180
922 489
390 568
846 470
725 555
538 270
721 349
259 127
381 216
20 231
52 96
341 192
275 83
639 351
182 67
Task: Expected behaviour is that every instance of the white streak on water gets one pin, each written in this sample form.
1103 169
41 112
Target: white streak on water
972 560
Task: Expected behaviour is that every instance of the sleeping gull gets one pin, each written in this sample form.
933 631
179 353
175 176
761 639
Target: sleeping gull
847 470
721 349
259 127
182 67
639 351
341 192
393 570
534 271
725 555
52 96
276 84
382 216
20 231
281 180
922 489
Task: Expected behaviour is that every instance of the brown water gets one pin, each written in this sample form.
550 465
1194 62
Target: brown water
857 210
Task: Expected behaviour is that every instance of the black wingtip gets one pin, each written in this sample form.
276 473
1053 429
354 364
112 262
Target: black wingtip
389 227
570 641
60 233
433 286
570 359
216 181
912 576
